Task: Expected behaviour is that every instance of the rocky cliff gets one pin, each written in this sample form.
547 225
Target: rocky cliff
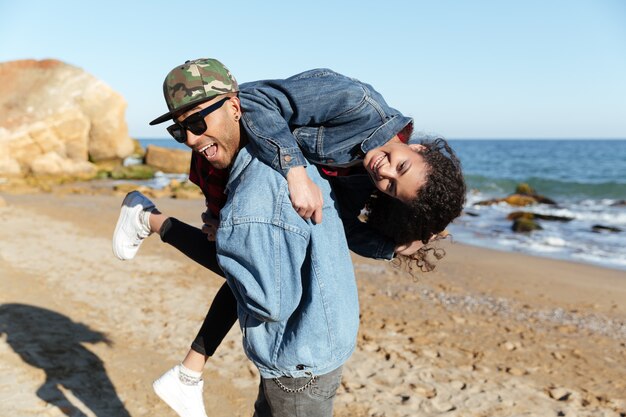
55 118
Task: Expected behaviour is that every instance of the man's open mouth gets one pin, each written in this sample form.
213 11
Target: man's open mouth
209 151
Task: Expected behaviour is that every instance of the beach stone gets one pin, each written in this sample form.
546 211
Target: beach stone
559 394
49 106
516 371
458 385
443 406
168 160
426 391
558 356
509 346
429 353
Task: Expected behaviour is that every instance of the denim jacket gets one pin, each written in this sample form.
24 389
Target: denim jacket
329 119
293 280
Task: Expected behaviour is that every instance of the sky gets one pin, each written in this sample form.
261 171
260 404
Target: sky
461 69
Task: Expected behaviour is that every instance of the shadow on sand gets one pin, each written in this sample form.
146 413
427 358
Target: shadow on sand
53 342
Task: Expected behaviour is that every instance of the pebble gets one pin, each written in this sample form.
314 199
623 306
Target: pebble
432 354
458 385
458 319
426 391
443 406
509 346
559 394
516 371
558 356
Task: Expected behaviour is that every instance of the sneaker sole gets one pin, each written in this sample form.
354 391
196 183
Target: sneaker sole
124 212
162 395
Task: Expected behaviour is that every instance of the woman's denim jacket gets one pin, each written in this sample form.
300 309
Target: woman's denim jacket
293 280
329 119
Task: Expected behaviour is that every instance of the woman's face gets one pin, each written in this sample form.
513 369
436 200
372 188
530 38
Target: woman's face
397 169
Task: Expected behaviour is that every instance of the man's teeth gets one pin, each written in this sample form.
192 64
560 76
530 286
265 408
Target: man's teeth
205 148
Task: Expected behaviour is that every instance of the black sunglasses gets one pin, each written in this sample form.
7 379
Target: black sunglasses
194 123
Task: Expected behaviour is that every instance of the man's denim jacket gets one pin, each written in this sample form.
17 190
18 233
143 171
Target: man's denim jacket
329 119
293 280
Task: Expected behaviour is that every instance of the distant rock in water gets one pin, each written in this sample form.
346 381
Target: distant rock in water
598 228
525 225
55 118
524 195
532 216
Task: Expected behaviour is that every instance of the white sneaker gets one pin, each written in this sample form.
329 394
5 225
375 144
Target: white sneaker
185 400
133 225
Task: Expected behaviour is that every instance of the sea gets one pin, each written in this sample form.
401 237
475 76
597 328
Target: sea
586 179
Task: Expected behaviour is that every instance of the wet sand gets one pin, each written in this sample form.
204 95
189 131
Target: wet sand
487 334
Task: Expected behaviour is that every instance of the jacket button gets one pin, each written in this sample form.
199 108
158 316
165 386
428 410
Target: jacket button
287 158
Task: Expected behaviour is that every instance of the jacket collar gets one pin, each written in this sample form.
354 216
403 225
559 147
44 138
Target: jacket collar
242 160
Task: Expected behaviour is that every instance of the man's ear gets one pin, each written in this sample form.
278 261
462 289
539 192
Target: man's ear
236 105
417 147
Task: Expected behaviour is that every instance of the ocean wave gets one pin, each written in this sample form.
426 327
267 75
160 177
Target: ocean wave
553 188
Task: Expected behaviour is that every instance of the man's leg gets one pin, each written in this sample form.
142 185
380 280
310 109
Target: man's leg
261 407
286 397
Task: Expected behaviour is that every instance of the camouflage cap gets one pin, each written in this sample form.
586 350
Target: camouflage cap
192 83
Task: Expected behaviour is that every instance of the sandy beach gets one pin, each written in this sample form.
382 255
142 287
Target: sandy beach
487 334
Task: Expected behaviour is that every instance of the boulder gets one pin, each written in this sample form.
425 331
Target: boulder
524 196
531 216
526 189
519 200
168 160
52 163
50 107
525 225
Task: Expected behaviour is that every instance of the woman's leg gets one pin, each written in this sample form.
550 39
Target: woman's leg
222 314
187 239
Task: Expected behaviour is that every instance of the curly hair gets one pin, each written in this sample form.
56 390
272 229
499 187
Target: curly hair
439 201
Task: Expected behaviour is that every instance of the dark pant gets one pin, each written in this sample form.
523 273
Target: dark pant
223 311
287 400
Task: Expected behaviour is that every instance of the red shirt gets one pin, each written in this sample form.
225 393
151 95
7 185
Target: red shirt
212 182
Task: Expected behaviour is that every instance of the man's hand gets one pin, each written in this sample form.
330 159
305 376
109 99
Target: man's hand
210 226
306 197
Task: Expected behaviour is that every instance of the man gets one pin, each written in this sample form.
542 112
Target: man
293 279
337 120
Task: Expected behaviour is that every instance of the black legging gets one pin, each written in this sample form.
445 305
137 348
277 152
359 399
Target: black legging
223 311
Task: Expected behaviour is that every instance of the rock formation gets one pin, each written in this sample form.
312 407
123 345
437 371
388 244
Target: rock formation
55 118
168 160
